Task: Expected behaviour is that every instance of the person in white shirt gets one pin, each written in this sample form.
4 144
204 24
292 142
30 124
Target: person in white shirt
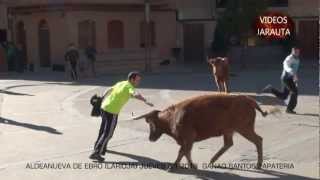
289 78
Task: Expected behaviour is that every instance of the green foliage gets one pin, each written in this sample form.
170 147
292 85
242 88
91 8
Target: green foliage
219 45
237 20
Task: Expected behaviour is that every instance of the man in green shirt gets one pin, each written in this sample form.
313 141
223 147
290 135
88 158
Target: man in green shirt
115 98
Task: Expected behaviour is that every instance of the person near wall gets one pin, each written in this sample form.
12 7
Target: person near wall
11 56
19 59
72 58
91 55
83 64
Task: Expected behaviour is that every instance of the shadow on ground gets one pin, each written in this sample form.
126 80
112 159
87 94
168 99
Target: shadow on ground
251 80
268 100
200 174
14 93
308 114
30 126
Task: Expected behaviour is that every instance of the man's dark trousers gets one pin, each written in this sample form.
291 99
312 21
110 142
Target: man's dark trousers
74 73
289 88
107 127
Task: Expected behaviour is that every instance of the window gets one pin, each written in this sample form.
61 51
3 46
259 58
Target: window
144 29
278 3
3 35
115 34
44 44
87 34
221 3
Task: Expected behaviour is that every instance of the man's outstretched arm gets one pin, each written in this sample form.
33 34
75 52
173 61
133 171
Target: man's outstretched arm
141 98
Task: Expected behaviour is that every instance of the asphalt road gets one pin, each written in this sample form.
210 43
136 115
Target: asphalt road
46 131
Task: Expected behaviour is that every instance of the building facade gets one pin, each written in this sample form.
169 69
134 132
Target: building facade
196 25
305 15
180 28
3 21
3 34
116 28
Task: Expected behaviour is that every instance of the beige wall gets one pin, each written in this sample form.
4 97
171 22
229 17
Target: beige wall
130 22
191 9
58 36
32 2
64 30
303 8
209 28
166 33
3 17
165 24
209 31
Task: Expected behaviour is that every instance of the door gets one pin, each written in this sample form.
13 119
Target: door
3 63
115 34
193 42
3 35
21 40
87 34
308 37
44 44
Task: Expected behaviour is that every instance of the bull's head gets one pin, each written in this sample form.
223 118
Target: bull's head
212 61
215 61
152 118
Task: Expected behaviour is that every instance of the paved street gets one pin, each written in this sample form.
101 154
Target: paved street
45 120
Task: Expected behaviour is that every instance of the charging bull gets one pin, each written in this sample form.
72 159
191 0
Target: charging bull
206 116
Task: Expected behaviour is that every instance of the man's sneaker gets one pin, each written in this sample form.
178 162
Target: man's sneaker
267 89
103 152
96 156
291 112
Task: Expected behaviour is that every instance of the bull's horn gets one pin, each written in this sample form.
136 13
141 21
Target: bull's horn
145 115
140 117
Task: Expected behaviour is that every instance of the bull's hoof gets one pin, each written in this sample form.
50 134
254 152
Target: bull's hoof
211 164
193 166
173 167
212 161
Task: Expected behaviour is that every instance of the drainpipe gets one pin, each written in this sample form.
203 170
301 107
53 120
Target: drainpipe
10 24
147 36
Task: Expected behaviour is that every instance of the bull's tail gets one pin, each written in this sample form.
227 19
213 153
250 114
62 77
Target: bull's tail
264 113
255 105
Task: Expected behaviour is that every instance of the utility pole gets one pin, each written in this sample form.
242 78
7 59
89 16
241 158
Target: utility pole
147 37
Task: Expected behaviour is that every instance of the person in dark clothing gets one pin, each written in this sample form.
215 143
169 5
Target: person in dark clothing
19 59
72 57
289 79
3 60
91 55
11 56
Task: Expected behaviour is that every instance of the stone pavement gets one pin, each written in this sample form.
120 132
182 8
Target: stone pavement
46 131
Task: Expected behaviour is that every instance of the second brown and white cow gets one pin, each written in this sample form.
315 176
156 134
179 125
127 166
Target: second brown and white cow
220 71
206 116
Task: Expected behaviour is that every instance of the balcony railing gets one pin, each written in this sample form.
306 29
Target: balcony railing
271 3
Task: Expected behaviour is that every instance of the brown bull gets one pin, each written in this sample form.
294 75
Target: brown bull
206 116
220 71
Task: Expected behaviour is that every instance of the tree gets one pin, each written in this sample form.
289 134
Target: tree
237 20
